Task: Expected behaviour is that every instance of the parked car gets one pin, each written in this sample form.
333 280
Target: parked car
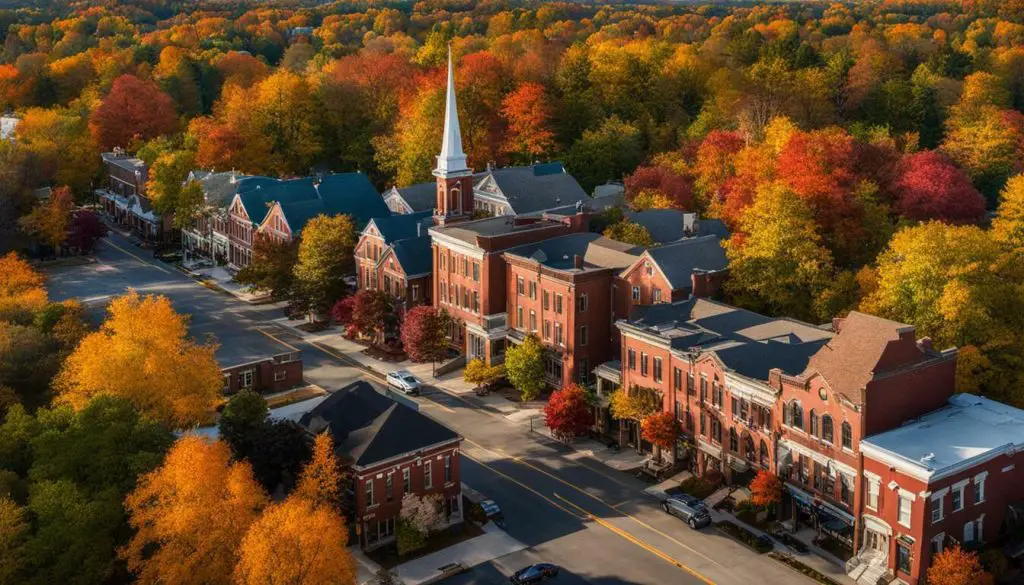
493 513
689 509
534 573
405 382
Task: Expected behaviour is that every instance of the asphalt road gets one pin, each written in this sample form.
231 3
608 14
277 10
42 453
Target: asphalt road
594 522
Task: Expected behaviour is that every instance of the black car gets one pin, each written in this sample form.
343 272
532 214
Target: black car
534 573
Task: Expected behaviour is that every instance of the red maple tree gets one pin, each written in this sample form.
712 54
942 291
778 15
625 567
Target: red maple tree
765 489
664 180
343 310
955 566
528 111
568 413
425 334
134 110
930 186
660 429
85 230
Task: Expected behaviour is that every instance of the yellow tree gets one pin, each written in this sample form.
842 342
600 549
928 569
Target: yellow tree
1008 226
21 290
320 481
49 220
143 353
298 543
191 514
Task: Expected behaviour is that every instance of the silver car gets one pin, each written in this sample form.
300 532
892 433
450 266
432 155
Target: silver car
405 382
689 509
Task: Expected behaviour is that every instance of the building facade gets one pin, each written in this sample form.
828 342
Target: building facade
124 200
391 450
273 374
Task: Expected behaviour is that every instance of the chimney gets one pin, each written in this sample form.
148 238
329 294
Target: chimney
698 284
577 262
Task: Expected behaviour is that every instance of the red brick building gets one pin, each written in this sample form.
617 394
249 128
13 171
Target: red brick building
948 478
394 255
273 374
391 450
124 198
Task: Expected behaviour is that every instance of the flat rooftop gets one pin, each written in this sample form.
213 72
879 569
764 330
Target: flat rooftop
967 432
594 250
468 231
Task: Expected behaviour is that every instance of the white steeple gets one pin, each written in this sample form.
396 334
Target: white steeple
452 161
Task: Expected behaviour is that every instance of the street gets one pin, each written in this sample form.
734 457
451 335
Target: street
594 522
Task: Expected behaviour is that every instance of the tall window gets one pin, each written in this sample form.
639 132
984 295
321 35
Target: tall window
631 359
795 415
847 436
703 429
583 334
813 418
703 388
533 290
582 302
476 272
547 300
873 486
519 317
428 475
389 487
447 468
979 488
558 304
677 378
643 364
547 329
558 333
689 383
826 428
520 285
476 302
657 369
657 295
903 510
636 294
958 498
936 503
734 441
369 492
533 320
406 480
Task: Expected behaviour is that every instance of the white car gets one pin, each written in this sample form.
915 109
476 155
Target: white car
405 382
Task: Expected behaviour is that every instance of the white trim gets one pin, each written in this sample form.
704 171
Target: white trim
455 245
908 494
962 483
876 524
1009 468
872 476
918 471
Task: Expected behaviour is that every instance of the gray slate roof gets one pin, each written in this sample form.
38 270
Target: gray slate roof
537 187
679 260
369 427
747 343
420 197
414 255
665 225
596 251
219 188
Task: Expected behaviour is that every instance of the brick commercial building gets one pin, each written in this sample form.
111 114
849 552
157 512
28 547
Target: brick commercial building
208 237
391 450
280 208
124 198
266 375
949 477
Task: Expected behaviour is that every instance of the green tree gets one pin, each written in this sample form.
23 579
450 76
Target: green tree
524 367
778 265
166 181
14 531
242 421
324 259
609 152
272 267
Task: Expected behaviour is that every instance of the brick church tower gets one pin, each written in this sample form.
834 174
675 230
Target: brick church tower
454 178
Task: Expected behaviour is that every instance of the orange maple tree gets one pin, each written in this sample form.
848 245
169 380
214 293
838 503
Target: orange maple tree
765 489
955 566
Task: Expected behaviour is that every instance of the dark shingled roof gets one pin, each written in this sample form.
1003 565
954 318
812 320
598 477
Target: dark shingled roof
596 251
664 225
414 255
402 226
305 198
537 187
679 260
369 427
420 197
713 227
219 188
747 343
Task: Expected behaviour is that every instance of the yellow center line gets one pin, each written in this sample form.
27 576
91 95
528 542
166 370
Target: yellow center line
626 535
524 486
123 251
526 463
284 343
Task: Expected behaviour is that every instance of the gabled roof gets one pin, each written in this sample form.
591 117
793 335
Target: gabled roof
678 261
745 342
370 428
219 188
865 347
305 198
534 188
594 250
664 225
402 226
419 197
414 255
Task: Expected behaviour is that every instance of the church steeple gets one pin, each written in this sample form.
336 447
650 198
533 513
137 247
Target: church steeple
452 160
454 178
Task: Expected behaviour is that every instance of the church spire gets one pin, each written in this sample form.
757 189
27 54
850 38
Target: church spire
451 161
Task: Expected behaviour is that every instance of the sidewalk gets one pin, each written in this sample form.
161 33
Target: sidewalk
220 278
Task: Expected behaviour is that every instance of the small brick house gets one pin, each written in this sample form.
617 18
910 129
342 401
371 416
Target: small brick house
273 374
390 449
394 255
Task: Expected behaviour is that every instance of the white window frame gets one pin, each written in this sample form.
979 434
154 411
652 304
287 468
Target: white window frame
428 475
938 504
958 490
905 499
406 481
280 375
369 493
636 294
246 378
447 469
979 487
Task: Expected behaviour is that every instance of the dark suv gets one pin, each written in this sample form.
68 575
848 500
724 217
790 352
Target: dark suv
688 508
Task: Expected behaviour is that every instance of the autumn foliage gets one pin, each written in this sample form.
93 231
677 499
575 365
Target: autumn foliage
22 293
955 566
765 489
568 412
930 186
143 353
425 333
133 111
661 429
191 514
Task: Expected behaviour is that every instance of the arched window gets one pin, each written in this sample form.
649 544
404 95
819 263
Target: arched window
826 428
847 436
814 423
764 453
795 415
749 451
734 441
